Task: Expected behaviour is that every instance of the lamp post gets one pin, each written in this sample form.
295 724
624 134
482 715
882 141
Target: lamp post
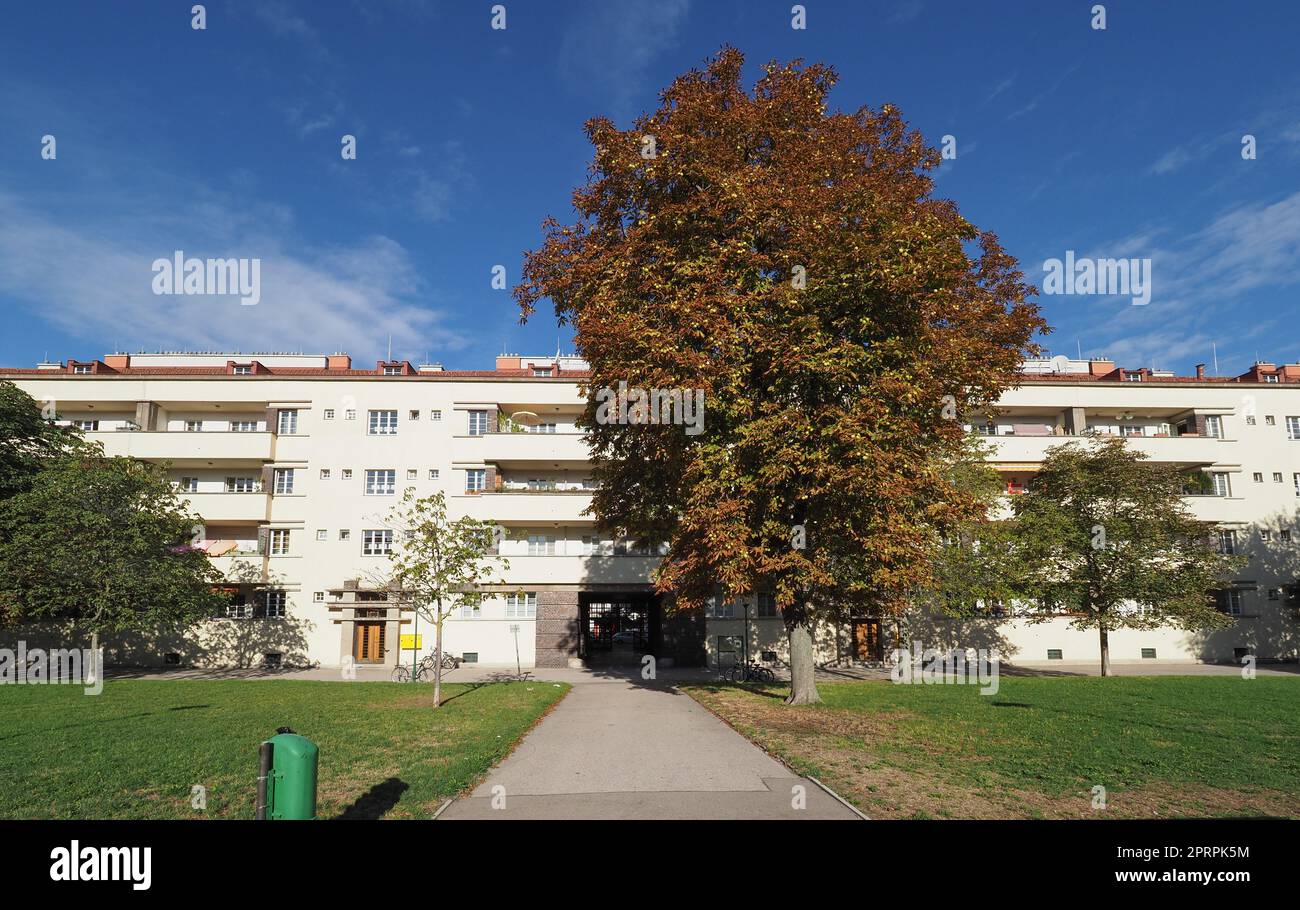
514 628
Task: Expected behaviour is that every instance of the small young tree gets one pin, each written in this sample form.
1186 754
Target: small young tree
1104 536
438 566
103 542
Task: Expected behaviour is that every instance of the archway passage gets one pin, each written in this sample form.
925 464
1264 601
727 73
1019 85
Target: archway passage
619 627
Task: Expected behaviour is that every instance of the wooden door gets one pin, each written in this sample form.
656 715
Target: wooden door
368 643
866 639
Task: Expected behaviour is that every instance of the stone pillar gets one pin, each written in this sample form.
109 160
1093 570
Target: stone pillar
559 629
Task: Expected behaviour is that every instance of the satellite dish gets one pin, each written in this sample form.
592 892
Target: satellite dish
1060 363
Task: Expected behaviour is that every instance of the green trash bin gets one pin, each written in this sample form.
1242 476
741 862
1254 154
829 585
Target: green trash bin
287 778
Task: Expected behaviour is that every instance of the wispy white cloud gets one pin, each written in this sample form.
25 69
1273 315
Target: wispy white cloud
906 11
285 21
609 46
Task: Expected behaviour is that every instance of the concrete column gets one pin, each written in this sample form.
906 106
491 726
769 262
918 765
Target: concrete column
559 629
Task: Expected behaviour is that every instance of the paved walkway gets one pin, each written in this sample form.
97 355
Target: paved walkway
620 748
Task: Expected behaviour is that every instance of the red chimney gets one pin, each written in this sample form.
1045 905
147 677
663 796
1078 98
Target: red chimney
1200 371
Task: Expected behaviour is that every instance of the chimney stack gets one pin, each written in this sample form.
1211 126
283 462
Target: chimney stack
1200 371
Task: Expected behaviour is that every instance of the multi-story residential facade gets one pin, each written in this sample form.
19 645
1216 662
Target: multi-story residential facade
294 461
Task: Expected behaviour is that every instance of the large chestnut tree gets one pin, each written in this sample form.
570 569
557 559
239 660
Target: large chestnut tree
792 262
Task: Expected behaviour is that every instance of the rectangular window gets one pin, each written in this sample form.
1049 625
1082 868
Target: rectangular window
717 608
1270 377
1277 477
1131 431
243 426
349 415
1269 421
1258 477
1148 653
1054 654
542 372
322 534
1284 536
1265 535
1229 601
383 423
239 608
345 534
279 541
273 604
241 484
193 426
189 484
766 606
1250 420
541 428
324 473
87 426
412 415
347 473
435 415
1295 481
590 545
477 423
376 543
283 481
242 370
433 473
540 545
392 371
81 370
538 485
475 478
1227 541
521 606
382 482
1293 428
1213 427
1221 485
288 422
411 473
470 611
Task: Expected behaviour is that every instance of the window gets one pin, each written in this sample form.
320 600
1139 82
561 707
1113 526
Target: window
1269 421
347 473
382 482
1131 431
1258 477
1054 654
239 608
273 604
1214 426
1270 377
392 371
411 473
521 606
1284 536
193 426
345 534
87 426
383 423
322 534
376 543
538 484
541 428
477 423
412 415
318 597
189 484
1229 601
1148 653
324 473
1015 485
283 481
1277 477
243 370
435 415
329 414
540 545
1293 428
717 608
1295 479
1227 541
541 372
243 426
1132 377
1274 594
1265 535
1221 485
350 415
288 422
279 541
470 611
81 370
433 473
1250 420
241 484
475 478
766 606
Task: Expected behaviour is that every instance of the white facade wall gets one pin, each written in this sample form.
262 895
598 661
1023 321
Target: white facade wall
192 429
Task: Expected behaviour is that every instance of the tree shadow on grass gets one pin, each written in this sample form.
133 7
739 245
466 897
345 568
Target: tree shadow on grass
377 801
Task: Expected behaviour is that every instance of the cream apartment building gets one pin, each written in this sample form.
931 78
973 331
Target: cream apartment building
294 461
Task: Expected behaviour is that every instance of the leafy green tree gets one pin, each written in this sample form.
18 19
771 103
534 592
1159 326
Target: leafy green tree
28 439
790 264
1104 536
438 566
105 543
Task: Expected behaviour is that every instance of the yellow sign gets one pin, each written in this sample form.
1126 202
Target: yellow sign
411 642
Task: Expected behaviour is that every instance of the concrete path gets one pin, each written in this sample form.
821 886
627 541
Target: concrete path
619 748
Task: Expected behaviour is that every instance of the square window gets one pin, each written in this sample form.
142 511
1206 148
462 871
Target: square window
349 415
322 534
345 534
766 606
1284 536
1250 421
1269 421
435 415
411 473
324 473
433 473
412 415
347 473
193 426
318 597
1277 476
329 413
1258 477
376 543
189 484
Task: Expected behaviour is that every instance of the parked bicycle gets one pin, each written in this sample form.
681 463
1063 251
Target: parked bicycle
749 672
424 669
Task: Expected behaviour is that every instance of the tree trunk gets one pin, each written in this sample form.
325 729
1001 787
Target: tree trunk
437 664
803 684
1105 651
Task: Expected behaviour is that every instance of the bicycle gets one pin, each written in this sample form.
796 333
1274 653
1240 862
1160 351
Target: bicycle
424 669
750 672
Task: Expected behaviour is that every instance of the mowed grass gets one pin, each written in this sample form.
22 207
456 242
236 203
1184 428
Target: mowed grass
1161 747
138 749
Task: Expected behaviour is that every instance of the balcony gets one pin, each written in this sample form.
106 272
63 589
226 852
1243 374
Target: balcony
214 507
522 450
523 507
1192 450
188 449
624 570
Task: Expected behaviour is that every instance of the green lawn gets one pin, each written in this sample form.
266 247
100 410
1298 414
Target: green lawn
137 749
1161 746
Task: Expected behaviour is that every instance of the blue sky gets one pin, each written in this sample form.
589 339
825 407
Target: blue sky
225 142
